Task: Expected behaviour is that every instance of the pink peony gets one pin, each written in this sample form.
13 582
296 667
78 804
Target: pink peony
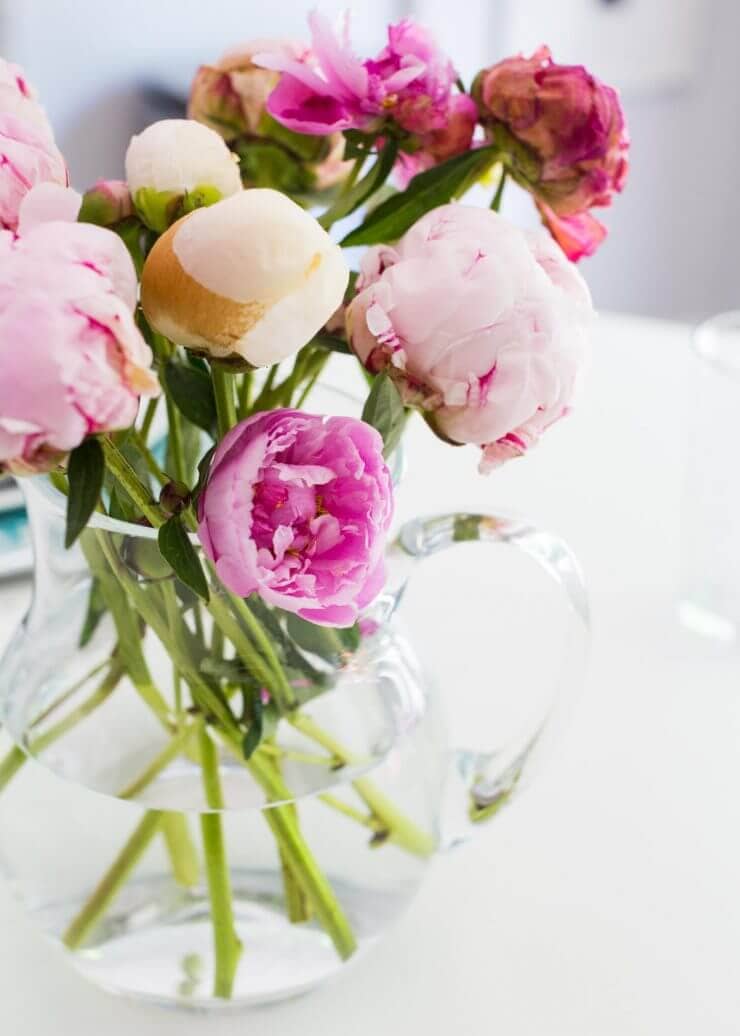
454 138
479 323
72 361
296 508
329 89
18 97
574 130
231 98
28 156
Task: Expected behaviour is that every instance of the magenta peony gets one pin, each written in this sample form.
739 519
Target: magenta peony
72 361
296 508
574 130
329 89
479 323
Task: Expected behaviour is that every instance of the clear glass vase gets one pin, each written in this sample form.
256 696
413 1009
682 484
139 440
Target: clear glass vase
156 885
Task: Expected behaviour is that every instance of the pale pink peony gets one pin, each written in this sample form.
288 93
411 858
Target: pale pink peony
479 323
296 508
328 89
72 361
574 129
28 156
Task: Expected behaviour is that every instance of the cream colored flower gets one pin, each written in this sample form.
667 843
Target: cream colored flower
252 277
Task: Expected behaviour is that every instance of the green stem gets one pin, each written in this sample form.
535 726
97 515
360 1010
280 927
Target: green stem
286 698
399 828
245 393
227 947
113 880
16 757
496 201
175 443
148 457
264 399
127 478
161 761
69 693
223 390
308 387
181 849
146 424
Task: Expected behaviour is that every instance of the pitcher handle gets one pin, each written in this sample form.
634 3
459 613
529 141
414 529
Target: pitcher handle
485 781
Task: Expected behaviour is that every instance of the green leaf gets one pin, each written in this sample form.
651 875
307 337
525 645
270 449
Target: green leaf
384 411
253 735
350 637
191 390
85 472
177 549
204 467
352 199
426 191
323 641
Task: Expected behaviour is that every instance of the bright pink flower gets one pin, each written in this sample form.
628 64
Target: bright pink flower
296 508
479 323
72 361
577 235
574 129
28 157
330 89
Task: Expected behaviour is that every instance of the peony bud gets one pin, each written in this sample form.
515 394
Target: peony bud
106 203
251 278
231 98
175 166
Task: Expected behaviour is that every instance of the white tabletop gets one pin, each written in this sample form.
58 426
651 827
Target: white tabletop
604 902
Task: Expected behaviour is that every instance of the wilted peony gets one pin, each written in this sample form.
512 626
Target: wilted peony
72 361
251 278
231 98
296 508
575 136
479 323
177 165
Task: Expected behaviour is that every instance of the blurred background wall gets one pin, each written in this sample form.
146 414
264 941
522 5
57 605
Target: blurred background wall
105 70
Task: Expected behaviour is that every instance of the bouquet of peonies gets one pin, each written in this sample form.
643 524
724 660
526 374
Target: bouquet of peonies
160 339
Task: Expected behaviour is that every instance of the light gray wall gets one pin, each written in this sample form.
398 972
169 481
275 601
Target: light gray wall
672 244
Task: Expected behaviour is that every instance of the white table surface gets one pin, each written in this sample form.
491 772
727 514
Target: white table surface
606 901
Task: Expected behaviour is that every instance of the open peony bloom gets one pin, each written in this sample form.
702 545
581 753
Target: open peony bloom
231 98
28 154
479 323
172 159
251 278
574 128
329 89
296 508
72 361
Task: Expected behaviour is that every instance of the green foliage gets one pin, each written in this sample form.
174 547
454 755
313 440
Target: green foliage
191 390
385 412
426 191
176 548
85 473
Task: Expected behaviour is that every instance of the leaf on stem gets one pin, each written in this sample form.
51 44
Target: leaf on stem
96 609
191 390
426 191
176 548
364 188
324 641
253 735
85 472
385 412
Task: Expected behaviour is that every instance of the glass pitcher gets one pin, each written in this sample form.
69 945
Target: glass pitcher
108 833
